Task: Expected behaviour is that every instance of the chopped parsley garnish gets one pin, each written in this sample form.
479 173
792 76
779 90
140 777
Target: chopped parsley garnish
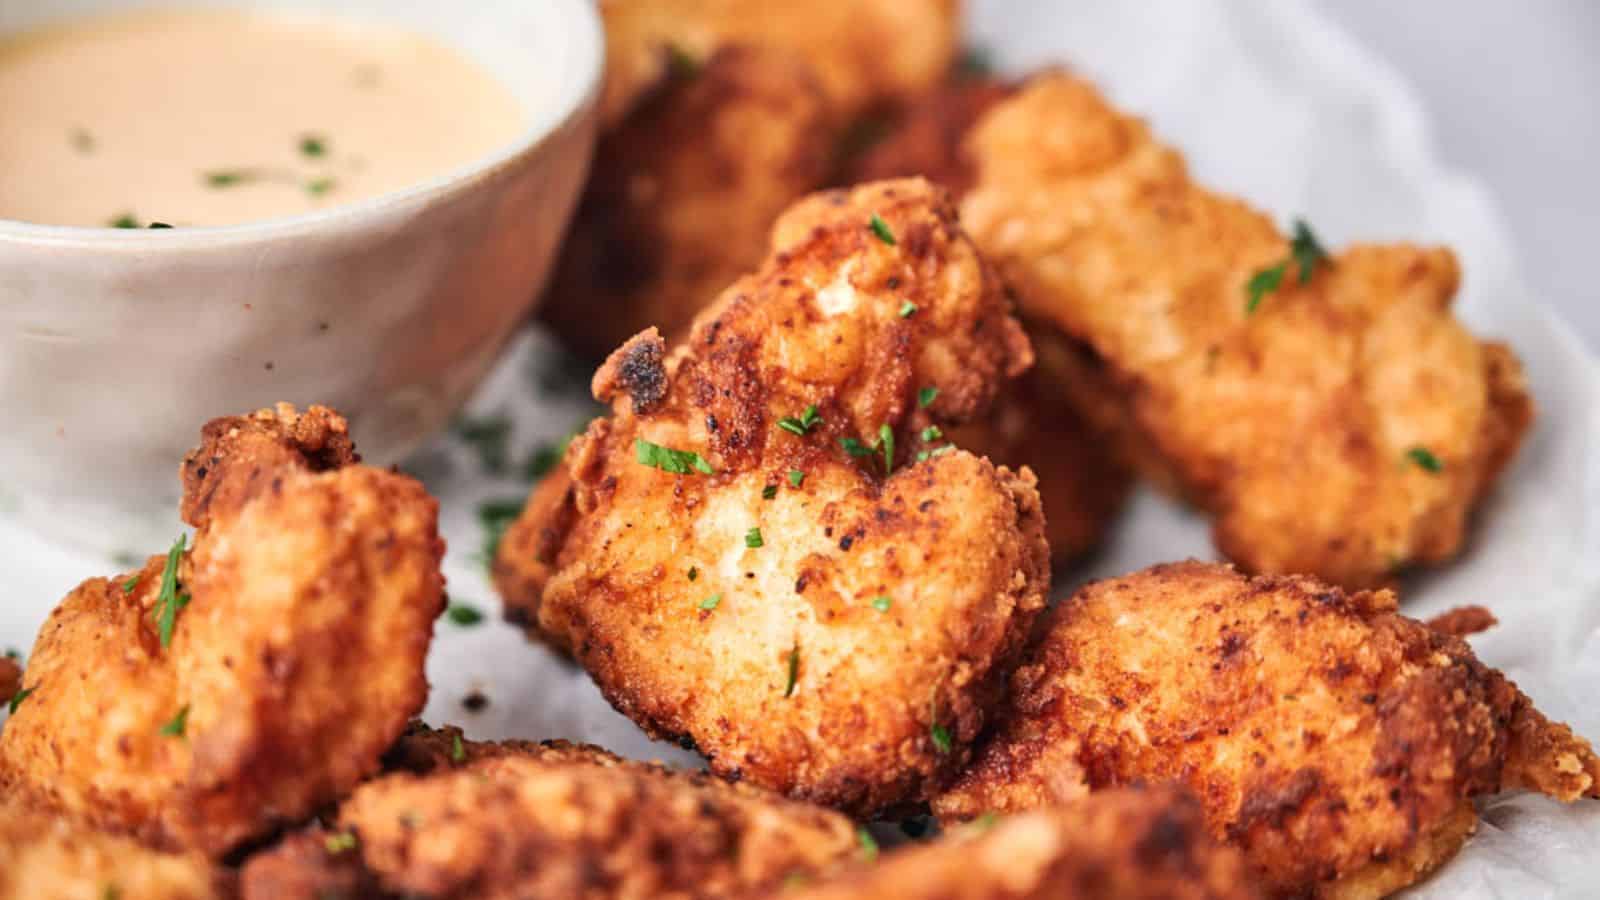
13 653
925 397
855 447
458 753
941 738
316 187
169 600
676 462
752 539
344 840
886 443
803 424
496 516
1304 251
16 699
768 492
796 477
1425 460
882 602
869 844
226 178
111 892
711 602
694 572
931 434
881 229
490 436
157 226
794 670
985 822
132 584
464 614
925 455
179 723
680 64
314 146
126 220
908 309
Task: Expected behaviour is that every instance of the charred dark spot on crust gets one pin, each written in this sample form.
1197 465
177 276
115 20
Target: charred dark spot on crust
1272 804
1232 643
641 373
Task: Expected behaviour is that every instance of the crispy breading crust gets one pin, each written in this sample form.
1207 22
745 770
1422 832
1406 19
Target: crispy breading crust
518 819
1332 739
1118 845
682 194
43 857
296 664
883 702
929 139
866 55
1296 425
10 678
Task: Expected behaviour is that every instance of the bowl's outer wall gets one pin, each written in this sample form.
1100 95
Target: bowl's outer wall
112 357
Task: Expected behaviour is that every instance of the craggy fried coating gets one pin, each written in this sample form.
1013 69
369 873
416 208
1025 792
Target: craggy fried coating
44 857
682 194
1308 427
10 678
850 658
866 55
1123 844
1337 743
296 663
552 820
929 139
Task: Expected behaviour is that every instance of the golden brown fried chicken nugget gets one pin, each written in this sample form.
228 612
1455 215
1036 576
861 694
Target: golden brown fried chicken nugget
731 561
1344 424
1118 845
1336 742
929 139
553 820
297 635
44 857
682 194
865 54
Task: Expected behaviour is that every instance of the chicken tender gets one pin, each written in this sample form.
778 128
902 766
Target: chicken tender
218 694
43 857
1118 845
1328 411
866 55
930 138
769 551
1337 743
682 195
552 820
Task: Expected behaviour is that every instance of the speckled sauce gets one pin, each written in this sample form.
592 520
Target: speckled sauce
216 118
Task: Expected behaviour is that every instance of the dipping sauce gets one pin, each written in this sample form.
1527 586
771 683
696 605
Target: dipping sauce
216 118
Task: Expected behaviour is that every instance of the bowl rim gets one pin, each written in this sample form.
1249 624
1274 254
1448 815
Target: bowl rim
578 90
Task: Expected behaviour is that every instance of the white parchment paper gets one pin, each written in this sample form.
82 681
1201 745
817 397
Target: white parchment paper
1269 101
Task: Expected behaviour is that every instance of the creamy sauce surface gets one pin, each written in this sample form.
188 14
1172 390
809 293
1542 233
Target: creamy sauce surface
217 118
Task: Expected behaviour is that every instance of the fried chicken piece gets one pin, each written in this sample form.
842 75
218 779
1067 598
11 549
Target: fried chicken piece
311 591
1345 426
519 819
808 623
1337 743
44 857
1125 844
682 194
865 55
928 140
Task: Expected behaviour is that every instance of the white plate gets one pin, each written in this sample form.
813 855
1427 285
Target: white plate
1269 101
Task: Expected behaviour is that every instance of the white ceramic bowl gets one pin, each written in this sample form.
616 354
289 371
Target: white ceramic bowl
116 345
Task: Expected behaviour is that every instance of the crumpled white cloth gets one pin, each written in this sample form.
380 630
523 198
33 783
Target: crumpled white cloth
1269 101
